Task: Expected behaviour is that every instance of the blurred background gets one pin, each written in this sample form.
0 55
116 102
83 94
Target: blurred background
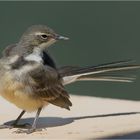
99 32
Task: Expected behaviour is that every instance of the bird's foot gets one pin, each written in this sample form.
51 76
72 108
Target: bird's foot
25 125
4 126
10 126
28 131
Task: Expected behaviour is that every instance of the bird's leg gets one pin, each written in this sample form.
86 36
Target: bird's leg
33 127
18 118
15 123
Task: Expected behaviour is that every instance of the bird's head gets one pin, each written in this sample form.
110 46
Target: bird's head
40 36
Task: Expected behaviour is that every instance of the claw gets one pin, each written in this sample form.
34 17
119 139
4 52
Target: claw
25 125
28 131
10 126
4 126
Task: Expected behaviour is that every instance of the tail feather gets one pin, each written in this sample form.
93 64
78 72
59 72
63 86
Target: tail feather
107 78
93 72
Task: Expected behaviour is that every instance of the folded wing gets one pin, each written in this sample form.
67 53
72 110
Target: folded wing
47 86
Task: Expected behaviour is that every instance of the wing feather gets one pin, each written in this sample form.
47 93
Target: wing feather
48 87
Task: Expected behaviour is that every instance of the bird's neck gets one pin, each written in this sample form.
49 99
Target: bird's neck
41 56
35 55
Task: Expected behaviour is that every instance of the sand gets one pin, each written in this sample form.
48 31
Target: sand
89 118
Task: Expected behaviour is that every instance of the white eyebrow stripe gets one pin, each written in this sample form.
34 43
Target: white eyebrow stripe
40 33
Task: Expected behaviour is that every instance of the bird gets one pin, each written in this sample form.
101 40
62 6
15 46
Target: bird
30 78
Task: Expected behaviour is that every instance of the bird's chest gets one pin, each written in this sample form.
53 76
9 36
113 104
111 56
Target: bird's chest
18 81
15 92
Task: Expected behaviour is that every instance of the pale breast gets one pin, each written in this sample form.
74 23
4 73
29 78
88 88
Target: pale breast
14 92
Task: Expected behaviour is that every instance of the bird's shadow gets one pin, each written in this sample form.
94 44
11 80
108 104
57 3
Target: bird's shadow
46 122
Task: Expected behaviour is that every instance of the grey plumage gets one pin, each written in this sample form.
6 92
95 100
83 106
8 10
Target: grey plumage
94 73
31 80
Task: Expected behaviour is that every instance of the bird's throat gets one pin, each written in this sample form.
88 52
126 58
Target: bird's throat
36 56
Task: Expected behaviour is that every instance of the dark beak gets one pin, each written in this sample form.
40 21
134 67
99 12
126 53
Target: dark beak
59 37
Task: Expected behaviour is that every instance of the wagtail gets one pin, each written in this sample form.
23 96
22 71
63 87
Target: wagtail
31 80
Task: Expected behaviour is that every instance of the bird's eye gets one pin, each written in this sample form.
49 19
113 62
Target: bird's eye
44 36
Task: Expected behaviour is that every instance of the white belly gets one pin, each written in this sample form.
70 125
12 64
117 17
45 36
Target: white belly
14 92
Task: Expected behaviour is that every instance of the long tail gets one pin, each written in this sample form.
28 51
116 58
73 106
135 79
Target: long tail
95 73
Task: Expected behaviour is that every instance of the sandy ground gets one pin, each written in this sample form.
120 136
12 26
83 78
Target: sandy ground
89 118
